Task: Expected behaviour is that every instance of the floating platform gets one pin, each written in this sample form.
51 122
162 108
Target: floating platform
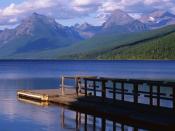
43 95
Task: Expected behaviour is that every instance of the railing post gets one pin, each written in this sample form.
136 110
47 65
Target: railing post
158 95
62 85
85 86
123 91
103 89
114 91
173 98
76 85
135 93
151 95
94 84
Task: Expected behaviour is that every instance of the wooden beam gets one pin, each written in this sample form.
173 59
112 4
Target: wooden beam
85 122
76 85
94 85
158 95
114 89
85 86
103 89
114 126
123 91
135 93
151 95
103 124
94 123
62 85
174 98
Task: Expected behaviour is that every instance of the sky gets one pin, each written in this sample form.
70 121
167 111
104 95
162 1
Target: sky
70 12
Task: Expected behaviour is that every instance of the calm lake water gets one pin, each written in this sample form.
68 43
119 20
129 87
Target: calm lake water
17 115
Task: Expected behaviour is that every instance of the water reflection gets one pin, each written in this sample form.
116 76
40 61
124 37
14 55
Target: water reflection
74 120
18 115
30 115
37 103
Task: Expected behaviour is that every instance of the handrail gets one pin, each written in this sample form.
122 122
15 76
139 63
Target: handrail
136 92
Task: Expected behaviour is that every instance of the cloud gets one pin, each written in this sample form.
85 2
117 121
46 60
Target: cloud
83 2
73 9
26 6
13 20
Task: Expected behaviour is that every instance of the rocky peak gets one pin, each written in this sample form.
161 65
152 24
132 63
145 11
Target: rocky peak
35 22
118 17
158 18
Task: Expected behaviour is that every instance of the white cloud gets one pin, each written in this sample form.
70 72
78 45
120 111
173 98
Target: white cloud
26 6
10 10
69 9
82 2
110 6
136 15
13 20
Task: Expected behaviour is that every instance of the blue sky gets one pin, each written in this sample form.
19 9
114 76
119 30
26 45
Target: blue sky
69 12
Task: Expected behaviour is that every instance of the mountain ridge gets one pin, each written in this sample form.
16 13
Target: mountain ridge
40 36
40 33
158 19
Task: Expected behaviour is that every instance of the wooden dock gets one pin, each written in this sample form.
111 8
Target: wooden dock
148 116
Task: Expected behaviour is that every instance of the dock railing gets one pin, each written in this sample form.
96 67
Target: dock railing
78 82
155 90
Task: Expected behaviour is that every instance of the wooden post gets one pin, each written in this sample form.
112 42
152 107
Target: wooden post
173 98
158 95
94 84
76 85
62 85
103 90
114 91
85 122
114 126
123 91
122 127
76 121
151 95
85 86
62 118
135 128
135 93
94 124
103 124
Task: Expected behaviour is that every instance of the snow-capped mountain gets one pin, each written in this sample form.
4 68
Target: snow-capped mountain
158 19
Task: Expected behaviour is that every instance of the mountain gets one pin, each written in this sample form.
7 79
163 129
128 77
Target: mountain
158 19
86 30
40 37
94 48
160 48
37 33
119 21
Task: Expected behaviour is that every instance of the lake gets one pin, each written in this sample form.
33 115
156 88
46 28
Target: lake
18 115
